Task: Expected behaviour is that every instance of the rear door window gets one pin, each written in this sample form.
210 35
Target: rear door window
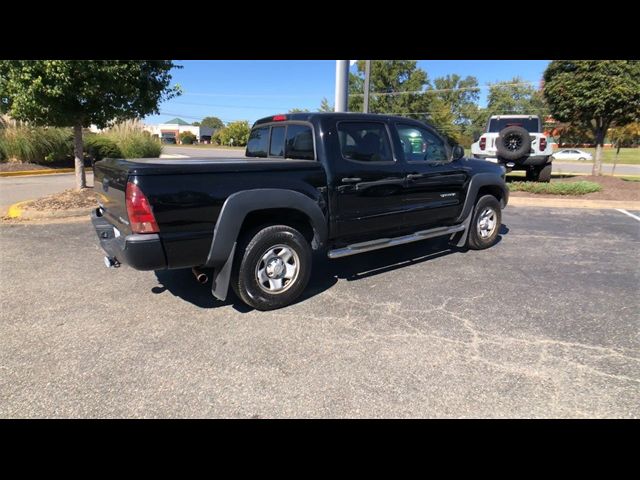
364 142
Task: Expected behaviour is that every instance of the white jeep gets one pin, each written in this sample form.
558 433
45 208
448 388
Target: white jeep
516 141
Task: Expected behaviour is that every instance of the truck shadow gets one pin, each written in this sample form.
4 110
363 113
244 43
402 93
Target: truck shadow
325 274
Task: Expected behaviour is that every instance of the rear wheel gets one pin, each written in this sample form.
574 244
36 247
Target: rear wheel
545 174
539 174
485 224
272 268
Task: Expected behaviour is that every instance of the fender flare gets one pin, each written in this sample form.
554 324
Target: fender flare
478 181
233 213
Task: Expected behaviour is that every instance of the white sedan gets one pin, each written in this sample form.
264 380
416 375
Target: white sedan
572 154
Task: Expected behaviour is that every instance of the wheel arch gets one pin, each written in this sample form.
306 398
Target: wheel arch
251 208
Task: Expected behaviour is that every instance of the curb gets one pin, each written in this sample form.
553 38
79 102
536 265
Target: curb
23 173
572 203
15 210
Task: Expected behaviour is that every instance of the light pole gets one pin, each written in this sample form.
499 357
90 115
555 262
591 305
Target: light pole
367 80
342 85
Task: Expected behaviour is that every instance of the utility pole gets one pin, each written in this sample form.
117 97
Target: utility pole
342 85
367 80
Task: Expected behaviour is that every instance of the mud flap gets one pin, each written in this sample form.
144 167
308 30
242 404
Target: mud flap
460 239
220 282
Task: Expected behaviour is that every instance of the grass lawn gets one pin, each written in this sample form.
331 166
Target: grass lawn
627 155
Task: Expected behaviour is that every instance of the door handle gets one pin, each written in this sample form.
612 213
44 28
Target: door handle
414 176
351 180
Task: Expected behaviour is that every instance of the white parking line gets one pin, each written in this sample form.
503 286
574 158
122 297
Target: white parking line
627 213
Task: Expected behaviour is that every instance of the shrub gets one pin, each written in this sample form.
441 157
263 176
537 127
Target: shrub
187 138
239 131
581 187
100 146
23 143
132 141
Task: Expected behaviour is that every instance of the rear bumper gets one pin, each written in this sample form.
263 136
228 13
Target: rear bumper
531 161
140 251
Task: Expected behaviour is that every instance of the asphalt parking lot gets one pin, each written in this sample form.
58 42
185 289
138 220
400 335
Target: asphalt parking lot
544 324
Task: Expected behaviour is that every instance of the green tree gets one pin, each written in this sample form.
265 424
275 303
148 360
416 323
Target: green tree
238 131
594 93
195 124
454 106
325 106
212 122
396 87
187 138
298 110
78 93
515 97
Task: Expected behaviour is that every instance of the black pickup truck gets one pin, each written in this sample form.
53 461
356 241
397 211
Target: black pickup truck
340 183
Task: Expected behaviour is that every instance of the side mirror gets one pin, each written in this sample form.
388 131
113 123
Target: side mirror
458 152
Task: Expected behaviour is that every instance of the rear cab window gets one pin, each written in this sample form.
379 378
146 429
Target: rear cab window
531 125
285 140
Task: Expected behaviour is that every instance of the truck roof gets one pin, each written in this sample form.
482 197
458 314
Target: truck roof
309 116
513 116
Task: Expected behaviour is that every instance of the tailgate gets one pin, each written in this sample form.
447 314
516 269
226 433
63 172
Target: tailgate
110 183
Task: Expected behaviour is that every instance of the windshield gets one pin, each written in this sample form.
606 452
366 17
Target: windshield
530 125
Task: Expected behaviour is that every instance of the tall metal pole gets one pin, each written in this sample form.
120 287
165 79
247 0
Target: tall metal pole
342 85
367 80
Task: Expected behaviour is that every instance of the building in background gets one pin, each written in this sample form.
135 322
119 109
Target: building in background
169 132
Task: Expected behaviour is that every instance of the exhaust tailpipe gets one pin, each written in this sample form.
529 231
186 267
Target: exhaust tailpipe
111 262
201 277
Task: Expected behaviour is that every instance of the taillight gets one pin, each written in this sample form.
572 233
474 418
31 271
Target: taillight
140 214
279 118
543 143
483 143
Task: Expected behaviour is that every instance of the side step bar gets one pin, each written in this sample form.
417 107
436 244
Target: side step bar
392 242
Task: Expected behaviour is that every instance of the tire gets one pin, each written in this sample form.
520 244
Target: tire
539 174
532 174
513 143
475 239
279 255
544 174
582 159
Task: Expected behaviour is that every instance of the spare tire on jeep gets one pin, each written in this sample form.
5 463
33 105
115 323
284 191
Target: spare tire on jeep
513 143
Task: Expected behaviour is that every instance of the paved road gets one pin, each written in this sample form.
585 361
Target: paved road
573 167
18 189
198 152
544 324
585 167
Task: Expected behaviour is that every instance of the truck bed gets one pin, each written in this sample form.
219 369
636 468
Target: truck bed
187 195
171 166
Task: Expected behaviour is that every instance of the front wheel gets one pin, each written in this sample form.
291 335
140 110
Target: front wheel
485 224
273 266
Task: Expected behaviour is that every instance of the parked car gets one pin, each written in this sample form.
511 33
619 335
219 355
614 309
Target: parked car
517 142
572 154
338 183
